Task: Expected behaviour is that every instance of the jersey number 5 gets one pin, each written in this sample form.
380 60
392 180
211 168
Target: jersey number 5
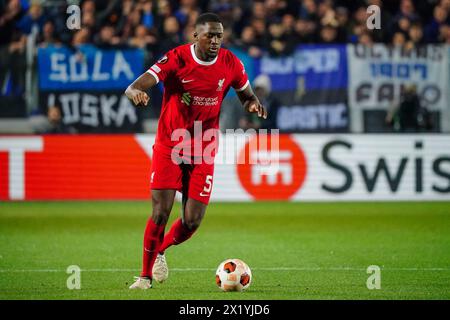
208 186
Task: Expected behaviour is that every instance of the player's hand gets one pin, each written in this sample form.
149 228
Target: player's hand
139 98
256 106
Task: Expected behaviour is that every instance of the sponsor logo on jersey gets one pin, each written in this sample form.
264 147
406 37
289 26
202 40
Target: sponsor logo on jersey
189 100
205 101
186 98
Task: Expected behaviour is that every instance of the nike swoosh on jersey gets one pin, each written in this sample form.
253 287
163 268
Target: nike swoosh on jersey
203 195
186 81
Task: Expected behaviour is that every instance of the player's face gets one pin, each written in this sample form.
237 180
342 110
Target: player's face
209 38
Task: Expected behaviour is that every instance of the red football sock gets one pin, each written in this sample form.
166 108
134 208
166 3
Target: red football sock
153 237
178 234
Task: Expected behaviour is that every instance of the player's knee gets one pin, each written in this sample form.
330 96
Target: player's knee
192 223
161 213
159 218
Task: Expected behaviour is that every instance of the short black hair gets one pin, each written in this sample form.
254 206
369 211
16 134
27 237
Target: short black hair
207 17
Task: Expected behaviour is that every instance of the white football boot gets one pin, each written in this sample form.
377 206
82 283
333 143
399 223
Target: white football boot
141 283
160 270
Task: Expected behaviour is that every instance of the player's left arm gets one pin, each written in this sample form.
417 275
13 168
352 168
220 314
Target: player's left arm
251 102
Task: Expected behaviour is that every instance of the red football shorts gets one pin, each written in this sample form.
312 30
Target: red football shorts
195 180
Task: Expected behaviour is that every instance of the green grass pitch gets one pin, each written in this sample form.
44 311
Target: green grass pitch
295 250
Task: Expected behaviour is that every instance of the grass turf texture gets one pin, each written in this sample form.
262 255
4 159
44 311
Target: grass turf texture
295 250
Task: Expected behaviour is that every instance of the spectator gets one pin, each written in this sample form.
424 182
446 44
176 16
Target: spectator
129 22
142 38
12 46
415 36
55 123
407 11
444 34
328 34
259 25
279 42
445 4
398 39
163 11
275 8
81 37
226 13
34 18
308 10
49 36
49 123
327 15
108 12
247 42
88 21
440 18
263 88
305 31
402 25
259 11
409 115
358 25
107 38
171 35
342 18
302 21
366 39
187 7
58 16
256 26
147 14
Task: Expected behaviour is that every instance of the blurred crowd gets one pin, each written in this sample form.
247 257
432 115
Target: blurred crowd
275 26
255 26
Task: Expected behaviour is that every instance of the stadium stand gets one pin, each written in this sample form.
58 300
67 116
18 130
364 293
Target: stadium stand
266 28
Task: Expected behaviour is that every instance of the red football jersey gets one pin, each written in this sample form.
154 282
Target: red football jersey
193 92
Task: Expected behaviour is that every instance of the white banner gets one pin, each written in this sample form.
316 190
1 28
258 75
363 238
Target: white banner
378 73
344 167
313 167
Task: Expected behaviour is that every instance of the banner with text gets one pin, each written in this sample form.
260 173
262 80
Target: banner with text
312 167
378 75
311 67
311 88
88 85
94 111
88 68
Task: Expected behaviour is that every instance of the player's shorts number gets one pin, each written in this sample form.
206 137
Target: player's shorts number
208 183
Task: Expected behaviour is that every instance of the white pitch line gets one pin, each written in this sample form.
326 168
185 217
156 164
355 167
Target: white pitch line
208 269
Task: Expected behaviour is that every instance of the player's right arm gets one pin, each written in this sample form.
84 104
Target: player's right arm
162 69
136 91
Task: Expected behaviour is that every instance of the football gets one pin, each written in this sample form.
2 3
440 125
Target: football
233 275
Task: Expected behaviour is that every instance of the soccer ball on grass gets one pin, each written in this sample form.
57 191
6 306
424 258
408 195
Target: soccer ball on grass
233 275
